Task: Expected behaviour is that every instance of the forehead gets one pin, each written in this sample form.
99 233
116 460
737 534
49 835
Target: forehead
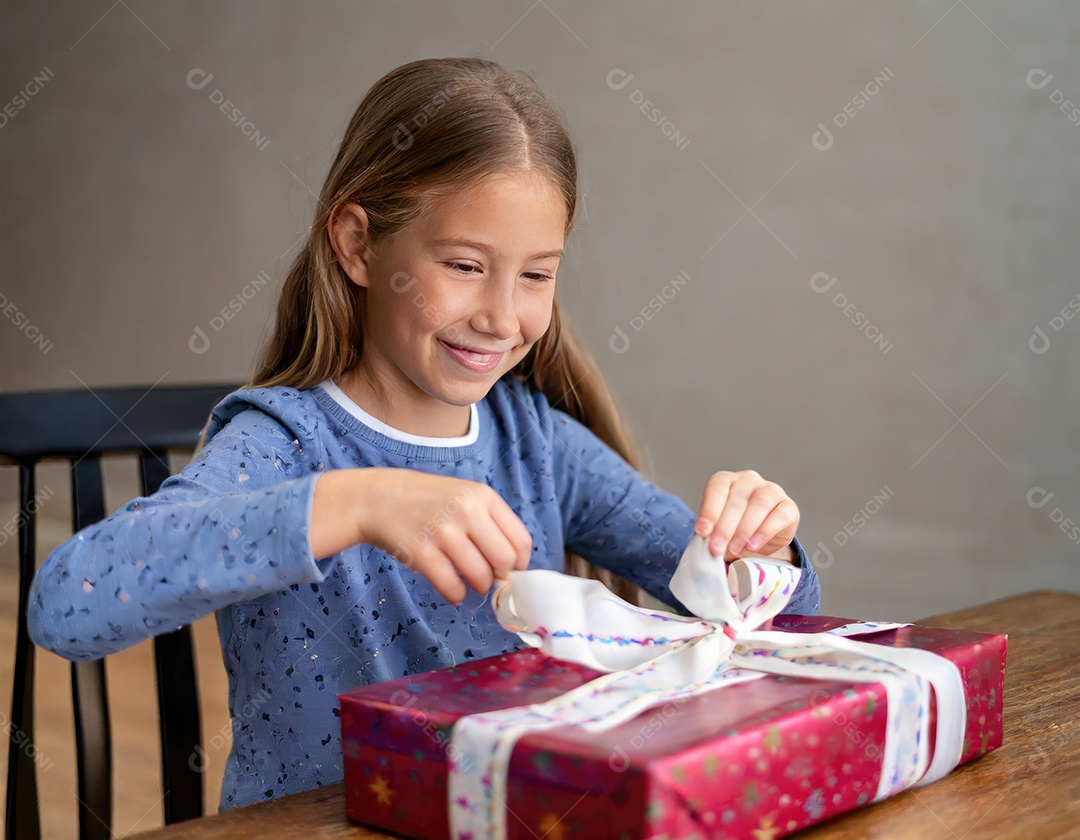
522 205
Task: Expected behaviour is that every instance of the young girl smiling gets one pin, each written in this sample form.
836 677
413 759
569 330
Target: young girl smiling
421 423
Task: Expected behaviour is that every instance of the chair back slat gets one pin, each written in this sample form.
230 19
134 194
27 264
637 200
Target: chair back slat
179 720
89 692
178 694
81 425
21 818
93 749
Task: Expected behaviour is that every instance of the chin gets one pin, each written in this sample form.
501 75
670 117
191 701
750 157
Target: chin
465 394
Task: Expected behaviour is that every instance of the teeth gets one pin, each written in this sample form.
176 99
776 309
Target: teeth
479 357
472 352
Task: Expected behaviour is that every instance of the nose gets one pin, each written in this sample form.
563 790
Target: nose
496 311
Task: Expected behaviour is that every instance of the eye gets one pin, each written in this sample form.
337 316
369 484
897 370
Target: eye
537 277
464 268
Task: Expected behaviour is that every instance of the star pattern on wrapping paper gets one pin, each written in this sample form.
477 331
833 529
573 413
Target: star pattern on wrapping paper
772 740
381 788
551 826
767 831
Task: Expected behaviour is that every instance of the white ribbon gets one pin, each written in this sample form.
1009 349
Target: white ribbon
651 657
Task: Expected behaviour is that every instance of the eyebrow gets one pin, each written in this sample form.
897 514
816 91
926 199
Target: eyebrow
487 249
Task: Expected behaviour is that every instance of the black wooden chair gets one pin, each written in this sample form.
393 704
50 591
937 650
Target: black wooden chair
80 426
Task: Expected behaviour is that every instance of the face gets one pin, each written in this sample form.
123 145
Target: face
458 297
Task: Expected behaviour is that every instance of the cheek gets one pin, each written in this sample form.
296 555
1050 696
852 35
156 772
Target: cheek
535 317
421 308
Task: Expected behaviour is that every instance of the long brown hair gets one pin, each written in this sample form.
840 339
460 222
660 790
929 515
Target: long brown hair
427 128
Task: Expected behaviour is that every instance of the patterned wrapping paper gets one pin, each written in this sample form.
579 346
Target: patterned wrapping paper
758 759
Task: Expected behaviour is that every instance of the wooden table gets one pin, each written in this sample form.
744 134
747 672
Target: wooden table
1028 788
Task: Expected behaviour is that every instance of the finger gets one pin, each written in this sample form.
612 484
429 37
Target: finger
467 559
729 520
440 573
778 529
516 534
713 499
498 553
760 504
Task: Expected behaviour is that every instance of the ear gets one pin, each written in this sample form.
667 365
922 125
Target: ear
348 231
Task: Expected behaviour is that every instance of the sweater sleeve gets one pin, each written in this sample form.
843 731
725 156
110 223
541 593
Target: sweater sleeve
231 526
617 520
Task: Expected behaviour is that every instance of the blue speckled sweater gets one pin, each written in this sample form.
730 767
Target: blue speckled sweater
230 533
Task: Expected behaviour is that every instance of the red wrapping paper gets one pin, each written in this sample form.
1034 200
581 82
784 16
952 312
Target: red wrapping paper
758 759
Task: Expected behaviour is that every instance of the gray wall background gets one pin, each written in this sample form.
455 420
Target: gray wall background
943 202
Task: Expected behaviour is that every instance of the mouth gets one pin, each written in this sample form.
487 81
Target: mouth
478 360
479 351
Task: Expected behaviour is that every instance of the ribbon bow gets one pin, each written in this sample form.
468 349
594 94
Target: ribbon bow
650 657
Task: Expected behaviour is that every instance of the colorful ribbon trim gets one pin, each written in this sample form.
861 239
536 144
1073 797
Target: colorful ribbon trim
651 657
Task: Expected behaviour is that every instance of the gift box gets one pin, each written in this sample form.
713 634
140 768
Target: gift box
757 758
775 754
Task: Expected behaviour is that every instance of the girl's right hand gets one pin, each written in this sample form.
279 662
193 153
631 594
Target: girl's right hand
445 528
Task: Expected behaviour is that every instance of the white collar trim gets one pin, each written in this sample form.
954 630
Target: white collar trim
378 425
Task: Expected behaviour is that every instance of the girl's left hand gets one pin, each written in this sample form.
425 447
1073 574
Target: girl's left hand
742 514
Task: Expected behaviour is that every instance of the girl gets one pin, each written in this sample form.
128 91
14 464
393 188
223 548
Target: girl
422 423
